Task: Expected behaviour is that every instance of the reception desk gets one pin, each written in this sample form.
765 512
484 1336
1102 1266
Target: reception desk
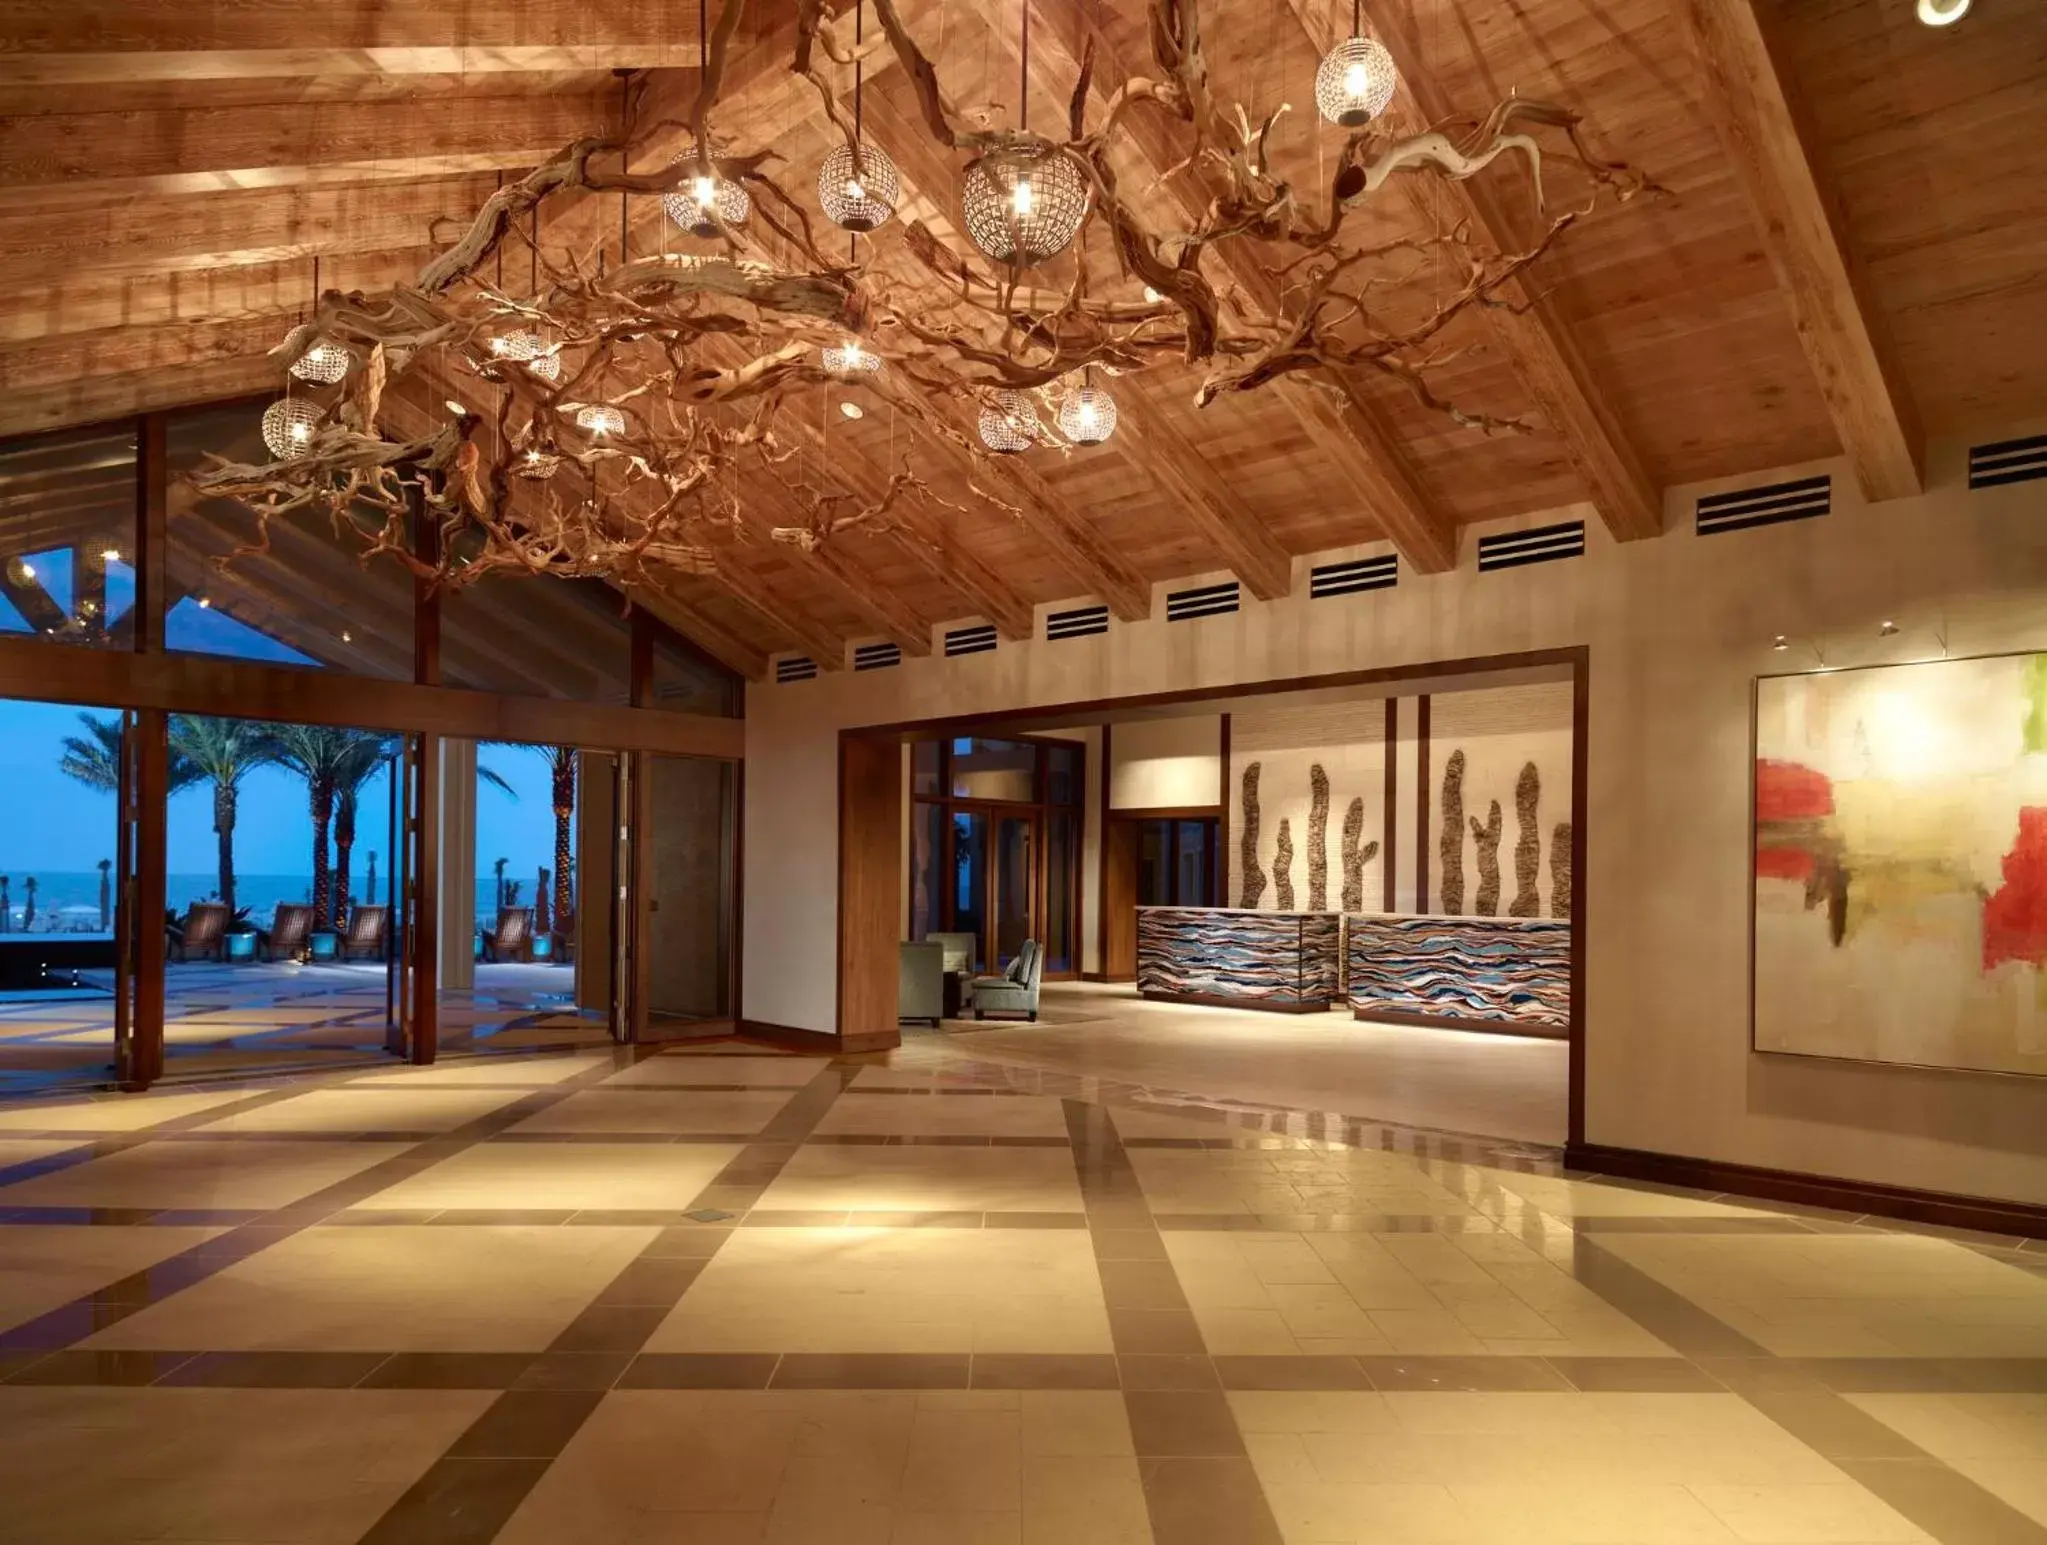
1284 962
1509 974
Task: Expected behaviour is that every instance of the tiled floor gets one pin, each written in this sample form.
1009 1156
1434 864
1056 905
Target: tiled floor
223 1020
734 1298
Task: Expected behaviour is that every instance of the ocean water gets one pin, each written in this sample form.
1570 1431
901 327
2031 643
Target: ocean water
68 901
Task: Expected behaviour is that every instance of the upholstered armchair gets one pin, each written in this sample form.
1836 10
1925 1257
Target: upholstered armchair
1016 990
920 982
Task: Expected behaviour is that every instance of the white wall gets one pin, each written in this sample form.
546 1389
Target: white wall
1163 764
1676 628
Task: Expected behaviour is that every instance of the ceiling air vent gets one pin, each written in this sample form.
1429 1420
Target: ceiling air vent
795 667
975 640
1542 544
1747 507
1360 574
2008 461
1081 622
877 657
1204 601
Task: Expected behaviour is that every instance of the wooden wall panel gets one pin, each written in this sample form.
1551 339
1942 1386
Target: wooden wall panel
870 891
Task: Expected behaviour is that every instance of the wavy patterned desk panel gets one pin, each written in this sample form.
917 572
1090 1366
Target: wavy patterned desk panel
1469 968
1269 959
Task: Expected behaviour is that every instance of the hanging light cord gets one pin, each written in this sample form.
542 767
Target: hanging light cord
1023 90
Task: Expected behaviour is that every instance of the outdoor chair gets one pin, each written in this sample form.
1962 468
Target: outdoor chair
285 939
1016 990
367 927
512 939
201 936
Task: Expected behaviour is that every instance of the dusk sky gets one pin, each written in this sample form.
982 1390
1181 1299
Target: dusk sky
56 823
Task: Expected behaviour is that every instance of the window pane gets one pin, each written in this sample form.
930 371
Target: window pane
1062 775
686 682
67 534
924 768
1061 857
1191 884
927 882
994 769
970 877
536 637
307 600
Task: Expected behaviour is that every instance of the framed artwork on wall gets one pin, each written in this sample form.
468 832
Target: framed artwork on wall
1899 830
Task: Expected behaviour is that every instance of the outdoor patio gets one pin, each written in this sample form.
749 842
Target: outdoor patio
226 1019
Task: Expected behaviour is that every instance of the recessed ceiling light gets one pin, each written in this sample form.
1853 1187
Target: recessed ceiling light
1780 643
852 410
1886 628
1942 13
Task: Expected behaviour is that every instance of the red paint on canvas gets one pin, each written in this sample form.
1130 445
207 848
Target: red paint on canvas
1789 791
1784 864
2015 914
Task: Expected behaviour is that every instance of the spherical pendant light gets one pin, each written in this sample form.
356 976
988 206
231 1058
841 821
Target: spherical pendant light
599 419
704 200
850 359
1087 416
323 364
1023 206
1009 424
288 426
536 464
1355 82
858 198
528 348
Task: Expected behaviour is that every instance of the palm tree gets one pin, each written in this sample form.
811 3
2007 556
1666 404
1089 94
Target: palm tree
94 758
322 755
366 752
225 751
561 767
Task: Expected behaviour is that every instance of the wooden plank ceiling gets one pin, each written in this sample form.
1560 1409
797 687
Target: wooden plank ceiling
1847 249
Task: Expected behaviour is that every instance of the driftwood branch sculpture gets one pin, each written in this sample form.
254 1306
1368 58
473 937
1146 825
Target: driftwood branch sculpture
528 486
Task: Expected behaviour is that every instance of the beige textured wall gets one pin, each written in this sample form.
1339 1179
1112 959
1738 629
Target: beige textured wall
1677 629
1348 741
1500 731
1164 764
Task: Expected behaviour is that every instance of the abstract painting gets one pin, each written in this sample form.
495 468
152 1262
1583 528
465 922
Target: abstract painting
1901 864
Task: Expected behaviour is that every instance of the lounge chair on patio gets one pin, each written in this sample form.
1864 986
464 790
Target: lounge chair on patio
201 936
512 939
367 927
285 939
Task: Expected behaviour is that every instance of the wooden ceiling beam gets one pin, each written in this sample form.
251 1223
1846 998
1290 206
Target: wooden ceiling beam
1341 422
92 400
1756 108
205 149
1150 440
1529 326
1378 469
215 230
116 42
715 639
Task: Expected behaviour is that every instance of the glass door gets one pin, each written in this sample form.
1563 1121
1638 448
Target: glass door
972 873
1015 909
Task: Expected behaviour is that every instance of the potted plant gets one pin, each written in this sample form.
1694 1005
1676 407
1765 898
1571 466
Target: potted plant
241 937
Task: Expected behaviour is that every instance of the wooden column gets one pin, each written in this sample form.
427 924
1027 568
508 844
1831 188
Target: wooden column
151 815
870 879
424 936
151 857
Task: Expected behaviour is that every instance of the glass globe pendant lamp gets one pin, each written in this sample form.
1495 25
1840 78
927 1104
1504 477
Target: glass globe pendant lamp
528 348
1355 80
1088 415
858 194
706 203
1024 204
851 360
323 364
598 419
288 426
1009 424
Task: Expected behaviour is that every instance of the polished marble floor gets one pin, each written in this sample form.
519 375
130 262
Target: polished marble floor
936 1298
224 1020
1454 1081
